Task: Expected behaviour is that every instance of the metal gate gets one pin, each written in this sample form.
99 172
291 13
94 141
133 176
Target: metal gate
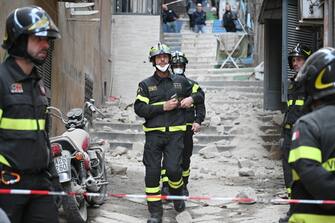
45 70
294 36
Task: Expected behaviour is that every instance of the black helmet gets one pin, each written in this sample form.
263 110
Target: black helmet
298 51
318 74
160 49
178 58
23 22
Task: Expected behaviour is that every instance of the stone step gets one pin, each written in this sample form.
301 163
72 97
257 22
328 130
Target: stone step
270 137
249 83
200 65
219 72
173 35
223 77
248 89
205 59
257 101
245 95
200 41
122 127
265 118
270 129
139 137
268 145
191 44
199 48
137 127
196 147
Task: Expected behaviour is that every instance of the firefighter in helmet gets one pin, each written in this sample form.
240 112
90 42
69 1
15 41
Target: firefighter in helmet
312 153
295 109
25 157
161 100
194 117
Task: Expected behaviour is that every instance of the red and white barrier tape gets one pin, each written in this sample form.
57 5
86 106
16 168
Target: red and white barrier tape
138 196
164 197
300 201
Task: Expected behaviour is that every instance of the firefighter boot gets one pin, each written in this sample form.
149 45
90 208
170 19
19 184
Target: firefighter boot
286 217
165 192
185 192
179 205
155 218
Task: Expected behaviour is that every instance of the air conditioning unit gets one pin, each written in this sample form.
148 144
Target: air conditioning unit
310 12
81 9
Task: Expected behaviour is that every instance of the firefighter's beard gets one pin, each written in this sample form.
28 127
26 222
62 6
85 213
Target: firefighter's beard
162 68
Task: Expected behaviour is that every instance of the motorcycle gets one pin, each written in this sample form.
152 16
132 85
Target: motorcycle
79 162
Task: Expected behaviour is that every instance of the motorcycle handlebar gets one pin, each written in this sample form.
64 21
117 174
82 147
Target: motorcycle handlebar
94 109
62 117
60 114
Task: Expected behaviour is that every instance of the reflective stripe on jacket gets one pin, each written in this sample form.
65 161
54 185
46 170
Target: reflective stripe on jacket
23 103
151 96
312 158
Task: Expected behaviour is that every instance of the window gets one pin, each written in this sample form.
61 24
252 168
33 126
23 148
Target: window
144 7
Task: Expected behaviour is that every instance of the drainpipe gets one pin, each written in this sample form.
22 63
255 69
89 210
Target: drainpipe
284 51
328 23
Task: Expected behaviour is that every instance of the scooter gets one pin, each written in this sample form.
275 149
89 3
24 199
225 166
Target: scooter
79 162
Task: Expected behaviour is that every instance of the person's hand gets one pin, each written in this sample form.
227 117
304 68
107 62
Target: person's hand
170 104
186 102
196 127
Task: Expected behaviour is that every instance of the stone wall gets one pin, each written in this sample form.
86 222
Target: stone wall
132 37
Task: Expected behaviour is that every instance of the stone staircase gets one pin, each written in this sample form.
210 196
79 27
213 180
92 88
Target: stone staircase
233 98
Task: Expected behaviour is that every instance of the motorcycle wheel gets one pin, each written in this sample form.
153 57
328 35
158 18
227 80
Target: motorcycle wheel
75 207
101 168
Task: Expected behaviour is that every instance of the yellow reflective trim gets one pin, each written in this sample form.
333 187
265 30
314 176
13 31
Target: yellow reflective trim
21 124
195 88
43 22
329 165
1 111
152 190
287 126
295 176
159 103
311 218
176 185
165 179
142 98
162 129
305 152
177 128
163 171
4 161
5 36
186 173
318 81
153 198
299 102
189 124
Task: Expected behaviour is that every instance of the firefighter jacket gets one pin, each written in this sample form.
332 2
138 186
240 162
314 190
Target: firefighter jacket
151 96
197 112
312 158
23 137
295 104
